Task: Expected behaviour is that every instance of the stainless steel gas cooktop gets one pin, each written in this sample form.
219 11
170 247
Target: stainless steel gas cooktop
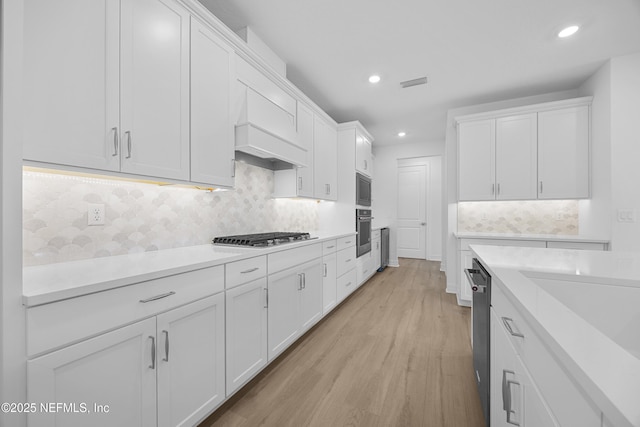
261 239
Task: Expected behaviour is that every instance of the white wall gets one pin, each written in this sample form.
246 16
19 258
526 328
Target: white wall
625 150
385 184
595 212
12 315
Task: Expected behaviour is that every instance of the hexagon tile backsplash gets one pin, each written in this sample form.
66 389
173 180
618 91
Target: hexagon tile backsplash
520 217
143 217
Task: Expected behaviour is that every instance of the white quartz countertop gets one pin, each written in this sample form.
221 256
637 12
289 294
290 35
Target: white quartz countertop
585 305
520 236
53 282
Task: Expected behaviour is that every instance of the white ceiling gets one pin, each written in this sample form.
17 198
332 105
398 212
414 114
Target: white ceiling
471 51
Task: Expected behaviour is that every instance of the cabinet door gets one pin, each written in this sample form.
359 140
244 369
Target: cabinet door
375 255
190 357
563 153
305 137
476 160
246 332
515 399
329 293
325 145
284 309
212 132
71 83
516 158
312 294
363 155
117 369
155 88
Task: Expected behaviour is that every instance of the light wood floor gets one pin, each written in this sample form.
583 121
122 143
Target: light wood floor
395 353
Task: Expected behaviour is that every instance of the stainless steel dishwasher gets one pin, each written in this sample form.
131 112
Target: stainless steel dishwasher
480 282
384 248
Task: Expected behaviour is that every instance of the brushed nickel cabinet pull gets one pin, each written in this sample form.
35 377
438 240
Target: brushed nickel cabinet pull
299 183
128 133
157 297
233 168
153 352
266 298
115 141
166 346
507 324
251 270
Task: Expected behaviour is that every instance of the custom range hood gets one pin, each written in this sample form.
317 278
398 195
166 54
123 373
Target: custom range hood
266 124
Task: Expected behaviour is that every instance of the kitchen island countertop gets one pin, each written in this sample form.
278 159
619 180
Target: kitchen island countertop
584 307
53 282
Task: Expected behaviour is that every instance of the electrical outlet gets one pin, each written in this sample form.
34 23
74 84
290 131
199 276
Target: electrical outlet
95 214
559 216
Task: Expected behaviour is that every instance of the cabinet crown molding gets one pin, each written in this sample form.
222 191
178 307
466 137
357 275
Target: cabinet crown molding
532 108
358 127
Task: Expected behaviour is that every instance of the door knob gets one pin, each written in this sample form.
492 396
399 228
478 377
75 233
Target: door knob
423 223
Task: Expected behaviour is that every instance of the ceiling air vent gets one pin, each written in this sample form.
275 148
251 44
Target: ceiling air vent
414 82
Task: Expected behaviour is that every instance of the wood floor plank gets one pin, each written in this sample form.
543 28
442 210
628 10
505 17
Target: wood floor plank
395 353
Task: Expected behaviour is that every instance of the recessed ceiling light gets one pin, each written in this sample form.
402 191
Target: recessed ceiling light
569 31
401 134
374 79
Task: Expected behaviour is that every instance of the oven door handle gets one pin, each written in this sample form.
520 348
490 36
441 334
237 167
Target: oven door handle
474 287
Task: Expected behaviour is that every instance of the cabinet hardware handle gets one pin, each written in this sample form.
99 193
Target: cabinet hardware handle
346 243
493 189
157 297
540 187
251 270
330 247
153 352
304 280
299 281
498 189
299 183
507 324
510 400
266 298
233 168
325 270
166 346
128 133
327 189
115 141
347 285
349 260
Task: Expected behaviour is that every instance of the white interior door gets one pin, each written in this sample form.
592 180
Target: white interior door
411 211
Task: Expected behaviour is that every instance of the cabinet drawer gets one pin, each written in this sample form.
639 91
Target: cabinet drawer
239 272
290 258
346 284
464 243
54 325
375 234
346 242
565 400
329 247
346 260
593 246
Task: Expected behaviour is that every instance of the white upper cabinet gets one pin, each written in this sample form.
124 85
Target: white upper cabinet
155 88
563 153
71 83
525 153
304 175
107 86
325 155
476 160
212 134
363 155
516 159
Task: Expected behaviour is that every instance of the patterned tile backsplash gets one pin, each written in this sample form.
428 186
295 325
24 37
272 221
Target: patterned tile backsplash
526 217
145 217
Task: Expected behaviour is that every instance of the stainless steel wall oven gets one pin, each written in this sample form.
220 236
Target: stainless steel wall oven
363 228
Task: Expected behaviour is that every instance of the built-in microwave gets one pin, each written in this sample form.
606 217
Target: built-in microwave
363 190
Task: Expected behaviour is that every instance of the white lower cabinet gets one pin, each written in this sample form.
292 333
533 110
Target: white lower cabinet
515 399
295 304
329 289
375 253
246 332
165 370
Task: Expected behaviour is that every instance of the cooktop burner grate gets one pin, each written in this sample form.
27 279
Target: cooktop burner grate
261 239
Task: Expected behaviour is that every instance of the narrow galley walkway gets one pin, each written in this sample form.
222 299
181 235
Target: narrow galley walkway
397 352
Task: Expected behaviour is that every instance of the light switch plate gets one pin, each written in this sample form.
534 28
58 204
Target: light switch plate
626 215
